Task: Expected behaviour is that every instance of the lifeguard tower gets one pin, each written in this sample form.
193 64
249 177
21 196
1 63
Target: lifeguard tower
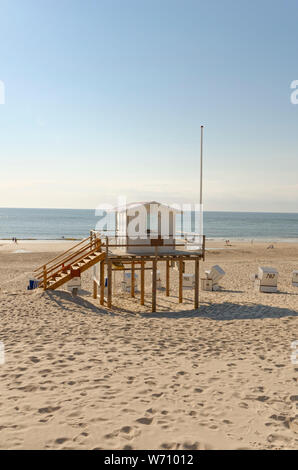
145 235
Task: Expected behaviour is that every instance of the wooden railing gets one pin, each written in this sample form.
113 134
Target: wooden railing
63 254
64 261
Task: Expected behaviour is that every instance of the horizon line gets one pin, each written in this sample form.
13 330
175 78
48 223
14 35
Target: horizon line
94 209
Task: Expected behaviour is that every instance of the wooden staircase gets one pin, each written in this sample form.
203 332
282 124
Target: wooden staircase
70 264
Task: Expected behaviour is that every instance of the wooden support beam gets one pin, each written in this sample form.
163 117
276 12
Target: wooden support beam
45 278
168 278
102 282
142 282
197 280
132 284
109 283
128 259
113 245
180 281
94 289
154 266
129 269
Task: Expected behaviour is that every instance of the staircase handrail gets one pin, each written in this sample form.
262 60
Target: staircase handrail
62 254
61 267
63 261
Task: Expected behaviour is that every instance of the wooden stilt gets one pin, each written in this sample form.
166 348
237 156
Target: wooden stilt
94 290
132 284
180 281
154 265
168 278
45 278
102 283
109 283
197 278
198 282
142 282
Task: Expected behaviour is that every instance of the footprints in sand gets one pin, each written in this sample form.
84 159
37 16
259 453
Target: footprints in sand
97 381
123 434
34 359
61 440
48 409
145 420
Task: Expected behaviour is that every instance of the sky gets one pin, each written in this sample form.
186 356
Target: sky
106 98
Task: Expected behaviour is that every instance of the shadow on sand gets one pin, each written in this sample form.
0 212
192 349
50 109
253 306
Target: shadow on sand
66 301
225 311
228 311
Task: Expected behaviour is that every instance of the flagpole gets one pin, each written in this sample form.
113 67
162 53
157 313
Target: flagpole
201 168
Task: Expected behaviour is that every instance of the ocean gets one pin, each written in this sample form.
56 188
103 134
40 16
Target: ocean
50 224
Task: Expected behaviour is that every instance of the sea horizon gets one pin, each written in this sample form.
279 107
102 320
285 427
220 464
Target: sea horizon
94 209
59 224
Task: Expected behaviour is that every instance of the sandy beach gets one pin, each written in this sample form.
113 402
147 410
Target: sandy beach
79 376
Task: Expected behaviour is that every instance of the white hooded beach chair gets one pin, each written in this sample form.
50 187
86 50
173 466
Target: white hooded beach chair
213 276
267 279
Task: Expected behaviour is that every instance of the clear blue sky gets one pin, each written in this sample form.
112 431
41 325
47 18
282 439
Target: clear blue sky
106 97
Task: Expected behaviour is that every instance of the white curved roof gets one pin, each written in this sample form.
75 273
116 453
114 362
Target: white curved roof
147 204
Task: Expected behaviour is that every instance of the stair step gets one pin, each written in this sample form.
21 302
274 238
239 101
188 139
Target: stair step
53 281
64 274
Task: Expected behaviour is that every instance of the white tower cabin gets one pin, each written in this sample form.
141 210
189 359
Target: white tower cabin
141 224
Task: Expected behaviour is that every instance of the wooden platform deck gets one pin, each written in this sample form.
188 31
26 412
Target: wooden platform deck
171 254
